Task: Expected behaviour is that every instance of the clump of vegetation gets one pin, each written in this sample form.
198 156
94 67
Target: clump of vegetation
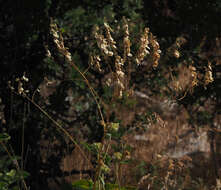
116 60
104 91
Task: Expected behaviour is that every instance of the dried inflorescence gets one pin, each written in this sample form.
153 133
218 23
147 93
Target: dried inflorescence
120 65
127 42
208 75
110 39
173 51
105 44
120 77
156 50
144 48
191 76
194 81
20 85
168 173
180 41
59 41
95 61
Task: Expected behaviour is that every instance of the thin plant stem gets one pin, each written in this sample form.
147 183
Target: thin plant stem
23 138
93 92
60 128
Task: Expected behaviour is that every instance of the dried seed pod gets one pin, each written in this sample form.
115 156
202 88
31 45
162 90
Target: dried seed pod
208 75
194 77
144 47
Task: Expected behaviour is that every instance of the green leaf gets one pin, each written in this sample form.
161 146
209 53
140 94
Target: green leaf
83 185
4 137
126 161
23 174
114 126
110 186
11 173
3 185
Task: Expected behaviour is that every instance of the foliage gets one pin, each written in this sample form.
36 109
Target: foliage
88 185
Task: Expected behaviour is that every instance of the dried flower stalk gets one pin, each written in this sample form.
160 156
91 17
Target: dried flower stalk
120 72
208 75
144 48
174 49
194 77
59 41
127 42
103 43
156 50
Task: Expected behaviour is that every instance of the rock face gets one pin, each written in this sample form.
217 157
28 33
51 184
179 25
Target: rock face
173 128
190 143
172 141
172 137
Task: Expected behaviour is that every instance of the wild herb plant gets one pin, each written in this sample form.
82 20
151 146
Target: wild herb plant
116 54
